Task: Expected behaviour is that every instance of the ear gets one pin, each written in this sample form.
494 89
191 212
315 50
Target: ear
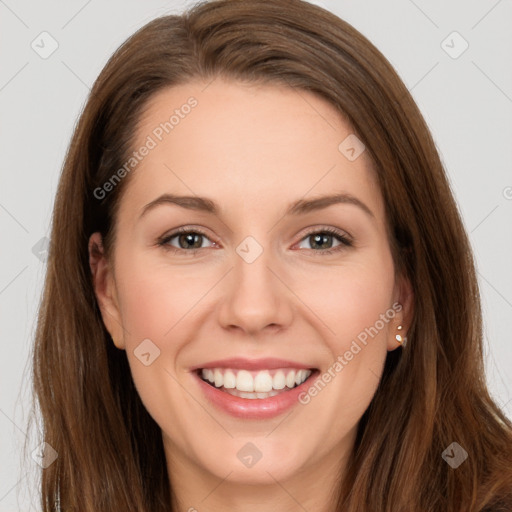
105 289
404 296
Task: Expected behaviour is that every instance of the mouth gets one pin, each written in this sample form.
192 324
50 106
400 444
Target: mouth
256 384
254 389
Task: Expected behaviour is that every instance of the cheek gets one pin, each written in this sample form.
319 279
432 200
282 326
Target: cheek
156 304
353 298
349 382
156 296
358 311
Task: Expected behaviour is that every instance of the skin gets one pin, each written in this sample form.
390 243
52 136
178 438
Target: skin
253 150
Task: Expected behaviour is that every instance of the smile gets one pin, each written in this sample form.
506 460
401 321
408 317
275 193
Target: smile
256 394
255 384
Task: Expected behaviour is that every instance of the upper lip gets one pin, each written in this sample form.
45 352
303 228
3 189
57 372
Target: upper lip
240 363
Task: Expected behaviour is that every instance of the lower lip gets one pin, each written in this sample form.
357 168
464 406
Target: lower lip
257 408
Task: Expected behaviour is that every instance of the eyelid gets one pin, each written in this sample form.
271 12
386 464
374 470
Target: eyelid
327 229
346 240
164 239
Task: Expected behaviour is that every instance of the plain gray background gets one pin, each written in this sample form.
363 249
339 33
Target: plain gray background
465 97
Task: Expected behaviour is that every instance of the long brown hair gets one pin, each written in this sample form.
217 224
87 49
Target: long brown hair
432 393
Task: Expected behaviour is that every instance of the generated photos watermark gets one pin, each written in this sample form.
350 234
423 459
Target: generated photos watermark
157 135
343 360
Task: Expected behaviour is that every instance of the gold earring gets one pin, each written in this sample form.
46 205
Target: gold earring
401 340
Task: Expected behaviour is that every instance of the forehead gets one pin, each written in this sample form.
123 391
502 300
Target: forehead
248 146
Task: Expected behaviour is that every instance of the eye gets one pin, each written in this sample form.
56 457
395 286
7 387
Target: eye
191 240
188 240
322 241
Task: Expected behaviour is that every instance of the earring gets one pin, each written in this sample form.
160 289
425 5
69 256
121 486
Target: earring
401 340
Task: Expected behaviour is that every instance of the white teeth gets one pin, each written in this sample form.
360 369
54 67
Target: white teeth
251 396
218 378
261 382
229 380
290 379
279 380
300 377
244 381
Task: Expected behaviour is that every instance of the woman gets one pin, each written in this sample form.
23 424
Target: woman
260 294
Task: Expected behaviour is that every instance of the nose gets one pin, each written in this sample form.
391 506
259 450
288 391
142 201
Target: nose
255 297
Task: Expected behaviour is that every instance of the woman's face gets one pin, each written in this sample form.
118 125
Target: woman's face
252 279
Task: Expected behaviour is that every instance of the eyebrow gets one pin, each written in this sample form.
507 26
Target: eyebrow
300 207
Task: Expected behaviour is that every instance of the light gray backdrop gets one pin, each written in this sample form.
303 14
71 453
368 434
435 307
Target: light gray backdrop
53 51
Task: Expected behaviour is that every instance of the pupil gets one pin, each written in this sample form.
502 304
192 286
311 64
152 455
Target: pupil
189 239
322 238
319 240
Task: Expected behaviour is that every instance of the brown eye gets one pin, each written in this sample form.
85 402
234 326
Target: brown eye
186 240
322 241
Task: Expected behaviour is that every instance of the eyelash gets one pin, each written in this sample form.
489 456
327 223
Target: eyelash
345 241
